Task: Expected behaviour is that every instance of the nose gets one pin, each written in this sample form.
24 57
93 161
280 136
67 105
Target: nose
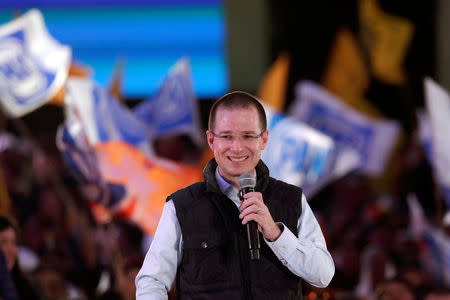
236 143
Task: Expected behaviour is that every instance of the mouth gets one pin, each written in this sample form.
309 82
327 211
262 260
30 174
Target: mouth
237 159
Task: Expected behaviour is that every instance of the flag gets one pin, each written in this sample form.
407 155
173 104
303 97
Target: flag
437 102
104 118
346 74
173 110
386 38
434 244
81 161
147 181
303 156
372 139
115 87
272 90
75 70
121 180
33 65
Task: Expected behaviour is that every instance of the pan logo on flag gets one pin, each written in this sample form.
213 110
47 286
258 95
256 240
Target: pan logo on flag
21 79
173 102
292 157
342 131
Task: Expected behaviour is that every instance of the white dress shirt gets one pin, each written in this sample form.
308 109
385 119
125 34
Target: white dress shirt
306 255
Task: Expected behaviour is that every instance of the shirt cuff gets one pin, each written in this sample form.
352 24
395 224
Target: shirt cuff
285 245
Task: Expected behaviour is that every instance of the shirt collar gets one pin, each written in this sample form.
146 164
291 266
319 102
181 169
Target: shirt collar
223 184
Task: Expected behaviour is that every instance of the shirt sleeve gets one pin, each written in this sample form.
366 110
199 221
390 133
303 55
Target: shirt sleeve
159 268
306 256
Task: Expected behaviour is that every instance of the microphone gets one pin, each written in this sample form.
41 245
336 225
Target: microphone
247 183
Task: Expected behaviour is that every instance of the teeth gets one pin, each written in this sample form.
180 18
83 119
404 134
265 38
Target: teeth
238 159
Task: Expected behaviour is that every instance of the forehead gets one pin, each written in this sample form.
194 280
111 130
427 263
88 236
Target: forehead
237 118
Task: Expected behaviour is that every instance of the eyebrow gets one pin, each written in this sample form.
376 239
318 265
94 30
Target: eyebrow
231 132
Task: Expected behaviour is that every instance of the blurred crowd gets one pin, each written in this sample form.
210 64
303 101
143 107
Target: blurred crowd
55 249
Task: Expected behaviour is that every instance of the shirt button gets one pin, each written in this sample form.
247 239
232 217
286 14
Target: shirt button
204 245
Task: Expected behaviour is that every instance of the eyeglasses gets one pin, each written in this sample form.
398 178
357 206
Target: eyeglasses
244 139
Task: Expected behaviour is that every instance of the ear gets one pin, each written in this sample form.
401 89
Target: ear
265 139
210 139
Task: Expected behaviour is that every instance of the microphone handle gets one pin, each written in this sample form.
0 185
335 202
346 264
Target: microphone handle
252 230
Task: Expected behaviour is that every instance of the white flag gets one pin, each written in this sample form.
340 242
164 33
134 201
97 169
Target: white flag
438 107
303 156
104 118
33 65
372 139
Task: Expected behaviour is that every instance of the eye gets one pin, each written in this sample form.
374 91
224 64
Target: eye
248 137
226 137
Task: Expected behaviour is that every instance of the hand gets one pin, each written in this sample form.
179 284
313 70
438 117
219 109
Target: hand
254 209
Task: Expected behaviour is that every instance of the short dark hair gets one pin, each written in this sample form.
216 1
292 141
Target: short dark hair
237 99
7 222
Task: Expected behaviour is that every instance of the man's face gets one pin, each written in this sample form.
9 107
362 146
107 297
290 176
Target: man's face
236 142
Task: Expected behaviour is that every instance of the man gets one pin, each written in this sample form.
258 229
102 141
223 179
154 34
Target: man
201 237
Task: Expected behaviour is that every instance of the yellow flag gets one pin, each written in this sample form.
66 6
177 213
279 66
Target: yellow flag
386 38
346 74
273 86
115 87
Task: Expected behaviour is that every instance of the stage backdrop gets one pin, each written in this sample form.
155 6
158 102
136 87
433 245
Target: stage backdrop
149 35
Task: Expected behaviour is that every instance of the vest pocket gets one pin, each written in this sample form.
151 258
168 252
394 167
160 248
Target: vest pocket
205 259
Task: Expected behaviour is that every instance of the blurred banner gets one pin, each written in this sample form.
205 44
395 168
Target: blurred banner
33 65
174 109
147 182
104 118
120 180
386 38
272 90
438 111
434 244
372 139
302 156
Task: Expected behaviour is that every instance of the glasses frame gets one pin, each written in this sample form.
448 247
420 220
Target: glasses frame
222 137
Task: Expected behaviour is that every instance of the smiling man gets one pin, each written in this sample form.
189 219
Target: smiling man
201 242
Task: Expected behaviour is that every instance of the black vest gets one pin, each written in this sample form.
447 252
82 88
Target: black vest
216 261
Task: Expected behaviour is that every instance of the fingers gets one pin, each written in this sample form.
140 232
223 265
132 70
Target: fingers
253 198
253 208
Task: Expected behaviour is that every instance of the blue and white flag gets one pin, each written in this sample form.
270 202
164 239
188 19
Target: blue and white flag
103 118
173 110
303 156
438 111
82 162
372 139
33 65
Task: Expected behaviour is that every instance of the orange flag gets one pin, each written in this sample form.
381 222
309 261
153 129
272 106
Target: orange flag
273 86
147 182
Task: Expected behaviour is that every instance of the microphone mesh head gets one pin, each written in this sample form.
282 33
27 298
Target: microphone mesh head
247 180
